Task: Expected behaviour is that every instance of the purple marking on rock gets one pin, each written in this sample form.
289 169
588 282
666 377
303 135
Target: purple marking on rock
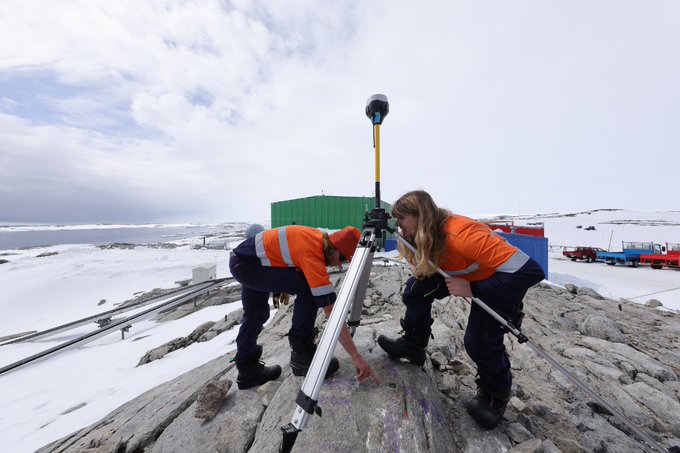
391 441
391 368
425 406
339 382
394 415
336 401
439 415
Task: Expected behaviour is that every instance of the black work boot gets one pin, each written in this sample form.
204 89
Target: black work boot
487 408
302 353
411 345
252 371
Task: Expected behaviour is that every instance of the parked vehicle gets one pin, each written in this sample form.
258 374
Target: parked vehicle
630 256
668 256
589 254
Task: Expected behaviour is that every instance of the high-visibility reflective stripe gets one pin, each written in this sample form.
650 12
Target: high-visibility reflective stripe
322 290
259 250
514 263
468 270
283 244
283 248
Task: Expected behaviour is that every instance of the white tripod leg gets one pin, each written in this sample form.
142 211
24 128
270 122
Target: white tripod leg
357 275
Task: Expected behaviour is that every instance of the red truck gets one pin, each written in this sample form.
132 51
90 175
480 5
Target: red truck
582 253
668 256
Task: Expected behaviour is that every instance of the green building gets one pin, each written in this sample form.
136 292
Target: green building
323 211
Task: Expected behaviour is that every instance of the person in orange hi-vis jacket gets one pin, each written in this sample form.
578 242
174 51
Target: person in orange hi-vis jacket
480 263
291 260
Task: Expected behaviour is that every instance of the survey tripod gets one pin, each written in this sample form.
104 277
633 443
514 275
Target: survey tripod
351 295
350 302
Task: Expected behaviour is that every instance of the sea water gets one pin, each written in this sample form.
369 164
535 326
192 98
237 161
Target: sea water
17 237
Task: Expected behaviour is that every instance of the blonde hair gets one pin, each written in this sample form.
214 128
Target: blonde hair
430 237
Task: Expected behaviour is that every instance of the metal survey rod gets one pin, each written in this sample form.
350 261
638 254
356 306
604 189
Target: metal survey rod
523 338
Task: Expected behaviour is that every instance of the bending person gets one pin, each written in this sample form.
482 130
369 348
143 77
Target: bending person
290 260
481 264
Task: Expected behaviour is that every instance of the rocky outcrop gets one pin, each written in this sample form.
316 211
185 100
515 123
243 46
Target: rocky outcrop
205 332
211 398
627 353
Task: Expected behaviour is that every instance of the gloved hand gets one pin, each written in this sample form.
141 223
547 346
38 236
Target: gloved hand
279 298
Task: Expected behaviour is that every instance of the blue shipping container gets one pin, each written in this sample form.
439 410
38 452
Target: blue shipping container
535 247
390 244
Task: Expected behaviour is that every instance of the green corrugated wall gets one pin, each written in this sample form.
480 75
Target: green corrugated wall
324 211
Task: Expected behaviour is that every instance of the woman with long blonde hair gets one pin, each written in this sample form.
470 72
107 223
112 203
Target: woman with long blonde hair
427 235
479 263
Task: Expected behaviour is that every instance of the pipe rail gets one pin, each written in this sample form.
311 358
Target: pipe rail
97 318
122 324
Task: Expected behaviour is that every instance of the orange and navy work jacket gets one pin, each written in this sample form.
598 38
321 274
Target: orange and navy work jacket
474 252
294 246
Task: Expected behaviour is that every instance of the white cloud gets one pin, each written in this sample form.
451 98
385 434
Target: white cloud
492 106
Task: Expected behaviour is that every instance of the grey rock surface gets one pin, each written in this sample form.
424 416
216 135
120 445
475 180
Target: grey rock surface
653 303
634 366
589 292
601 327
211 398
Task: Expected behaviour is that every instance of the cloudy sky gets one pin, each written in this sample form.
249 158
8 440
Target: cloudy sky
200 110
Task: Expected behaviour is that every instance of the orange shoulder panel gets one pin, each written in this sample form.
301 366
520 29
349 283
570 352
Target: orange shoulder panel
305 247
469 242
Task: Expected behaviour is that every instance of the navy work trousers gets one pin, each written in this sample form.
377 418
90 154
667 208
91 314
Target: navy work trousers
502 292
257 282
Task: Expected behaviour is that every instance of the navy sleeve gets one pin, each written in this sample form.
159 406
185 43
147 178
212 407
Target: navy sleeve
246 248
325 300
